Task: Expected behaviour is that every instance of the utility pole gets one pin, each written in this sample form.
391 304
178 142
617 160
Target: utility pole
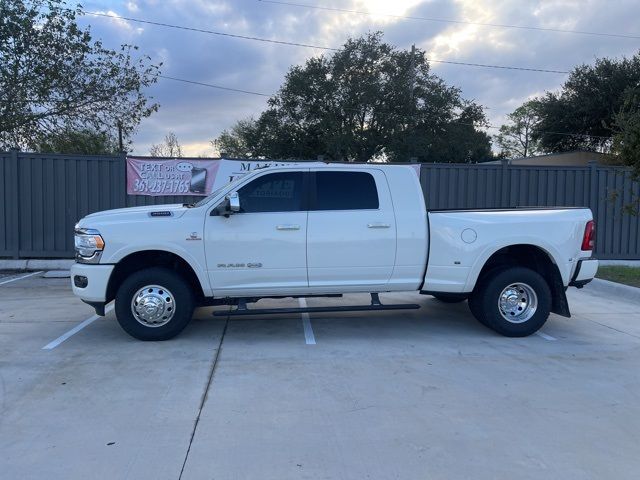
412 86
120 144
413 71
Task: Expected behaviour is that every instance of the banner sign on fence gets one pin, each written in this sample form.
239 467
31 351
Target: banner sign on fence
178 176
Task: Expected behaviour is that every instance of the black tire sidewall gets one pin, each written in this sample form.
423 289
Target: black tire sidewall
450 297
487 301
164 277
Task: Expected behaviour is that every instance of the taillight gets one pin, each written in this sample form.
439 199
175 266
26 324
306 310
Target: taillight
588 241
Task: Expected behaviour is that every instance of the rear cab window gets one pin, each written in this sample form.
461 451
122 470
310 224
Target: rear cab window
345 191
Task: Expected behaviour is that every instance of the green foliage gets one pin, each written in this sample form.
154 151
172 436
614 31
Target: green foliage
169 148
626 125
586 105
55 77
515 138
626 140
82 142
240 141
364 99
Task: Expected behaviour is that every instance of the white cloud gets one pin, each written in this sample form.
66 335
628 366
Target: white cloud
132 7
115 20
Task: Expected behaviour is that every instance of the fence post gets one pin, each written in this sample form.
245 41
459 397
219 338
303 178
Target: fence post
14 199
593 186
123 166
594 197
504 197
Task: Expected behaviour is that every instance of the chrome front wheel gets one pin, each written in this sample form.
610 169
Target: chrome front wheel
153 306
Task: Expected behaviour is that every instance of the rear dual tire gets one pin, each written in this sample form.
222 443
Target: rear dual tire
514 301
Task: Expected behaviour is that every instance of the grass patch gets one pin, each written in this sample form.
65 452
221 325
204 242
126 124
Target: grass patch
620 274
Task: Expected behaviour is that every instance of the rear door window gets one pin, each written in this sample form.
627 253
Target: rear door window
346 191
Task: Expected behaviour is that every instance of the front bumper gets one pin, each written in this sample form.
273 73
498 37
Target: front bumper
89 282
585 271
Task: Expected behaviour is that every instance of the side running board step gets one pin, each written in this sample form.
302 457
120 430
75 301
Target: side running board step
354 308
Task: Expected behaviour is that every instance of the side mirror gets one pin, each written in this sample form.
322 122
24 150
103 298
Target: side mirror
229 206
234 202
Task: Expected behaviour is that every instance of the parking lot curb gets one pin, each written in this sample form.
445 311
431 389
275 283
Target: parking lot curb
619 263
605 287
36 264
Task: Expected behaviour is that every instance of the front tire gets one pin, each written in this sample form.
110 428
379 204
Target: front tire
154 304
514 302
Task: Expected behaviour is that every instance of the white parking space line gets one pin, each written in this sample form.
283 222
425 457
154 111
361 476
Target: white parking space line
74 330
20 278
546 337
309 337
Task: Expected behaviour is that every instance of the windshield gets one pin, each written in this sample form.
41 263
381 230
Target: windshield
216 192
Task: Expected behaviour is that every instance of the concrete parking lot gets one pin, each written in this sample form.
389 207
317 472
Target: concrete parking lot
423 394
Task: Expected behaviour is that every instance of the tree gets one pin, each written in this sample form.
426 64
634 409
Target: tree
581 114
169 148
239 141
515 137
364 99
55 77
626 142
626 126
83 142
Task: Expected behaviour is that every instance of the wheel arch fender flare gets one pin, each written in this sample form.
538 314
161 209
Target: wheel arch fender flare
545 262
482 260
129 260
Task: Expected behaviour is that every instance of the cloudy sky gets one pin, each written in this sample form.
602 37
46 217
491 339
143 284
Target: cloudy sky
198 114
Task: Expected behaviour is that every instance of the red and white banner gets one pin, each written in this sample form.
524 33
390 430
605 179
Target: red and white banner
179 176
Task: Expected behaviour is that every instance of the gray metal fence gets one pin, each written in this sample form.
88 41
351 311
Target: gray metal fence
606 190
44 195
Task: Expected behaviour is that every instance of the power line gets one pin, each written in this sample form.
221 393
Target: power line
202 30
306 45
459 22
526 69
203 84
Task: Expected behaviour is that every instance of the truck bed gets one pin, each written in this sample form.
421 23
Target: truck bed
461 241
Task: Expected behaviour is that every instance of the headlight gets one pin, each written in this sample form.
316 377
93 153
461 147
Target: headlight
89 245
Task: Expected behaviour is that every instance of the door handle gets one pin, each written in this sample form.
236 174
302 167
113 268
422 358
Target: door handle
288 227
378 225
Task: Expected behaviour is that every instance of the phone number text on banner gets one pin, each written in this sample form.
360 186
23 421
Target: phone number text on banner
170 177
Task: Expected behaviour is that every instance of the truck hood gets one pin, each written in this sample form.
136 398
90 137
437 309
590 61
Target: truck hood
175 210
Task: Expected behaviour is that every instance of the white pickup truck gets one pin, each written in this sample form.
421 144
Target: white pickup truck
328 230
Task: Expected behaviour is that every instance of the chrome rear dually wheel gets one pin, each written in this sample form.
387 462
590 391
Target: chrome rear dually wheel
517 303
